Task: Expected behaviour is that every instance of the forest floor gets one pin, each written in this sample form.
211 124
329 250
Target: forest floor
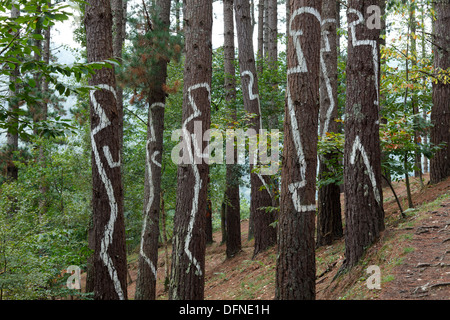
413 254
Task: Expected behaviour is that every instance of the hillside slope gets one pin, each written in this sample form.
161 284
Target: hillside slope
413 255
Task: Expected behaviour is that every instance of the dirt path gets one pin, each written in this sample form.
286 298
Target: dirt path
425 271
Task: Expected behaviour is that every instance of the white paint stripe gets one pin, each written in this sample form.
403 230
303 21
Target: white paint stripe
155 162
300 68
109 228
332 105
253 96
149 159
109 158
371 43
197 178
358 146
147 211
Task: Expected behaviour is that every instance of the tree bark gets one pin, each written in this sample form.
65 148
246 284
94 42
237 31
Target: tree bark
188 257
296 267
265 235
110 263
364 212
260 51
148 251
329 221
440 113
232 209
12 138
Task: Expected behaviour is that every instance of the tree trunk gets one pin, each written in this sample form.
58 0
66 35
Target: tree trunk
260 51
12 139
364 212
119 11
232 209
265 235
110 261
148 251
329 221
440 113
188 257
296 268
209 226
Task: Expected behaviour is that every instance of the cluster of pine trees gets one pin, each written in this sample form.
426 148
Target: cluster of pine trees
294 208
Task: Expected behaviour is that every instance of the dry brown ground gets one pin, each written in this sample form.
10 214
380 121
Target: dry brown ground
413 254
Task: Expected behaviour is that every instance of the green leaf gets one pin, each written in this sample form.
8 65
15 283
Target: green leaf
32 82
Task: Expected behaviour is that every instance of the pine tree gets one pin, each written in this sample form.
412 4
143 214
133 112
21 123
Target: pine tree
440 113
146 280
296 268
329 221
110 261
188 255
364 214
264 233
232 200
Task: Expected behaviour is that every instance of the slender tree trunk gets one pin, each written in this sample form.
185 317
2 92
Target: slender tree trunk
329 221
440 113
260 51
265 235
231 209
223 221
110 261
119 11
12 139
209 226
414 100
408 185
364 214
188 257
148 251
296 268
424 111
166 244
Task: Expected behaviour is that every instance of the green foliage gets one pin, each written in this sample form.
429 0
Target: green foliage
41 234
17 48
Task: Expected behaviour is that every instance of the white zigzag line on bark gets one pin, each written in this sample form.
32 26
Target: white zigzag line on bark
253 96
109 228
358 146
300 68
149 158
371 43
327 48
198 181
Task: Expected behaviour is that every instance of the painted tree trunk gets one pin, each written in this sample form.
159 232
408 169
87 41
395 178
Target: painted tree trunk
232 199
119 11
364 212
440 113
148 250
110 261
296 268
329 221
264 233
188 256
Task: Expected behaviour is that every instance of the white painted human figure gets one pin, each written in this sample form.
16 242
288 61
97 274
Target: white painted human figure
197 179
301 67
149 159
109 228
357 144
